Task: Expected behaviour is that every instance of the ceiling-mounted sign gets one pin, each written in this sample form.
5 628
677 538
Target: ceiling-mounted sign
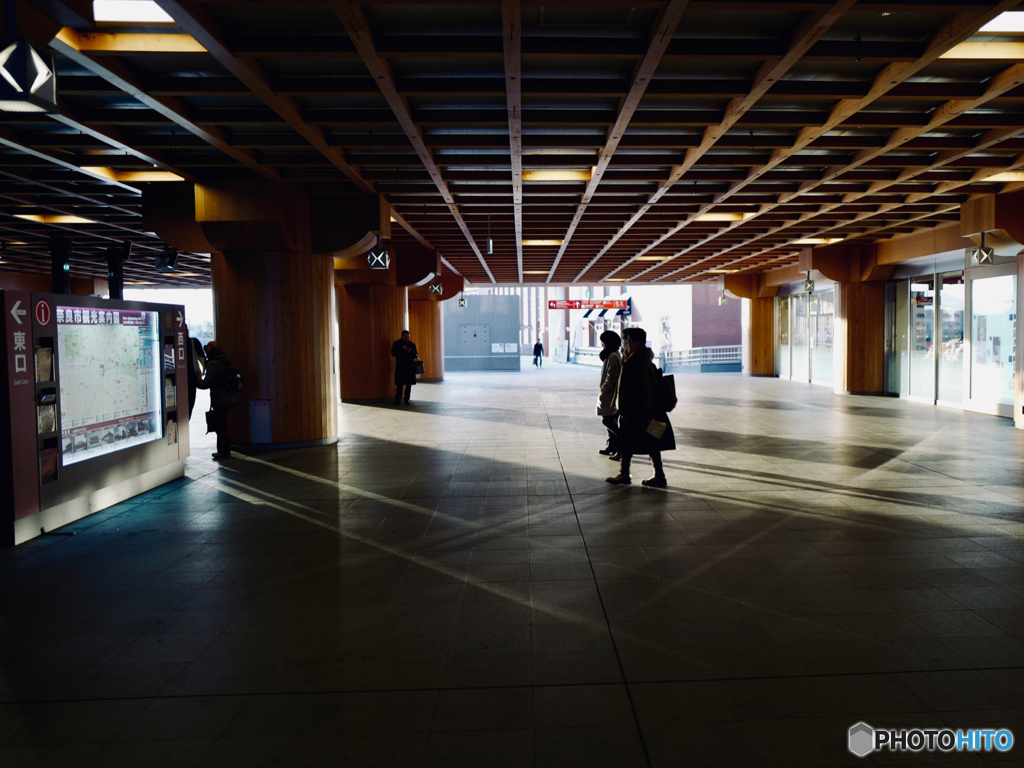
462 302
379 259
589 304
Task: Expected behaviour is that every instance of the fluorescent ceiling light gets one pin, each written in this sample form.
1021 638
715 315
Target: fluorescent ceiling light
542 242
110 173
818 240
129 11
722 271
615 279
1009 21
556 175
1007 176
652 258
536 272
53 219
137 282
723 216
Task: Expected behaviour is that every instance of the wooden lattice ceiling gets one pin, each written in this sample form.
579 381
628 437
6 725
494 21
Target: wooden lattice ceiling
657 141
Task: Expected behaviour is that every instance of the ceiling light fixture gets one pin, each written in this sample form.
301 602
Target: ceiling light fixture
818 240
536 272
1007 176
722 271
542 242
47 219
557 175
615 279
723 216
129 11
110 173
652 258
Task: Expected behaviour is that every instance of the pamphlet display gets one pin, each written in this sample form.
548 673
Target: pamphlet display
110 380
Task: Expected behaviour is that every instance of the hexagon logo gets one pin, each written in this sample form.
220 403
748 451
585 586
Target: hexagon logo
862 737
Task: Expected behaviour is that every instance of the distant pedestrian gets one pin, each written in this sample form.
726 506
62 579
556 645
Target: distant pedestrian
610 368
405 354
538 355
639 406
221 379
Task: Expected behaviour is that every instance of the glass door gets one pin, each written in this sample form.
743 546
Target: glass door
801 363
951 338
899 332
782 321
993 336
922 338
822 312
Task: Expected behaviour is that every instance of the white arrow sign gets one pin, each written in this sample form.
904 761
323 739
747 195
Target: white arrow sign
17 313
181 320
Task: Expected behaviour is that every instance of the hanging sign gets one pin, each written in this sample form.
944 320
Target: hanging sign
589 304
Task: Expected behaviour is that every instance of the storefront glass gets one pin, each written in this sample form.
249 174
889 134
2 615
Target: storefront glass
822 312
951 330
899 358
782 321
993 338
922 337
799 338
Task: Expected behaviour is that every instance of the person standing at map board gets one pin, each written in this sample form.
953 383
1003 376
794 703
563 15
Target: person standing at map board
221 379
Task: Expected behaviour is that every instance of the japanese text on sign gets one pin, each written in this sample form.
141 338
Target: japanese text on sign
588 304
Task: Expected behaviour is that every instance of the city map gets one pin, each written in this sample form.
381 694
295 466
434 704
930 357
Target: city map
109 380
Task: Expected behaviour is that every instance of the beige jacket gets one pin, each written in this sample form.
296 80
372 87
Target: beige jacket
609 385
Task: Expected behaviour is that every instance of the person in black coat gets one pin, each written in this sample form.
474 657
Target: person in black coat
405 354
538 355
222 397
638 405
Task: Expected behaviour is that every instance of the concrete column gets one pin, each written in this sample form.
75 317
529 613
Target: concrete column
273 316
859 349
371 318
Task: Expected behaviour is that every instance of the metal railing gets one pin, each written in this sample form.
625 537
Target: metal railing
587 356
702 356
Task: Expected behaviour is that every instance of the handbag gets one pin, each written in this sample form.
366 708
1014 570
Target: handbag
210 422
420 369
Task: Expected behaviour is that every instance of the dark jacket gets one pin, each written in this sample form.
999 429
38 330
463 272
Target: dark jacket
405 356
538 349
637 403
217 381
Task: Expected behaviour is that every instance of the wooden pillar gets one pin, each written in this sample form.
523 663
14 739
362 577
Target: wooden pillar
273 317
426 326
370 319
859 351
759 338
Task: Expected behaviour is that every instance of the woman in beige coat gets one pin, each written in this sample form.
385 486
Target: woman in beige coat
608 390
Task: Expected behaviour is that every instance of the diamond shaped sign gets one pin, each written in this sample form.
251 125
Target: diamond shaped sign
379 259
982 255
809 286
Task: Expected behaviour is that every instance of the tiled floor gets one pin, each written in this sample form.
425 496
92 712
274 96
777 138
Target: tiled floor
454 584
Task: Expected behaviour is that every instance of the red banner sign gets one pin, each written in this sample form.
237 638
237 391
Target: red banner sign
588 304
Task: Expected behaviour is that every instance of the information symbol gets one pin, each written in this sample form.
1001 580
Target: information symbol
42 312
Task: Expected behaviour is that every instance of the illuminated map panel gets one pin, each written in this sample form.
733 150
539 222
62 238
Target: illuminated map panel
110 367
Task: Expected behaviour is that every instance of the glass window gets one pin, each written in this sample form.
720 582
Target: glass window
783 322
821 319
993 338
922 331
951 330
899 359
799 338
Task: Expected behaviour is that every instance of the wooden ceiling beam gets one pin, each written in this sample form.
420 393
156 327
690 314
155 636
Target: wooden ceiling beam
512 39
358 28
660 39
195 20
810 30
954 31
127 80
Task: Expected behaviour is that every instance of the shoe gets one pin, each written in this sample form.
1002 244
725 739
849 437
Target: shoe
658 481
221 456
614 456
408 402
619 479
397 402
607 451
